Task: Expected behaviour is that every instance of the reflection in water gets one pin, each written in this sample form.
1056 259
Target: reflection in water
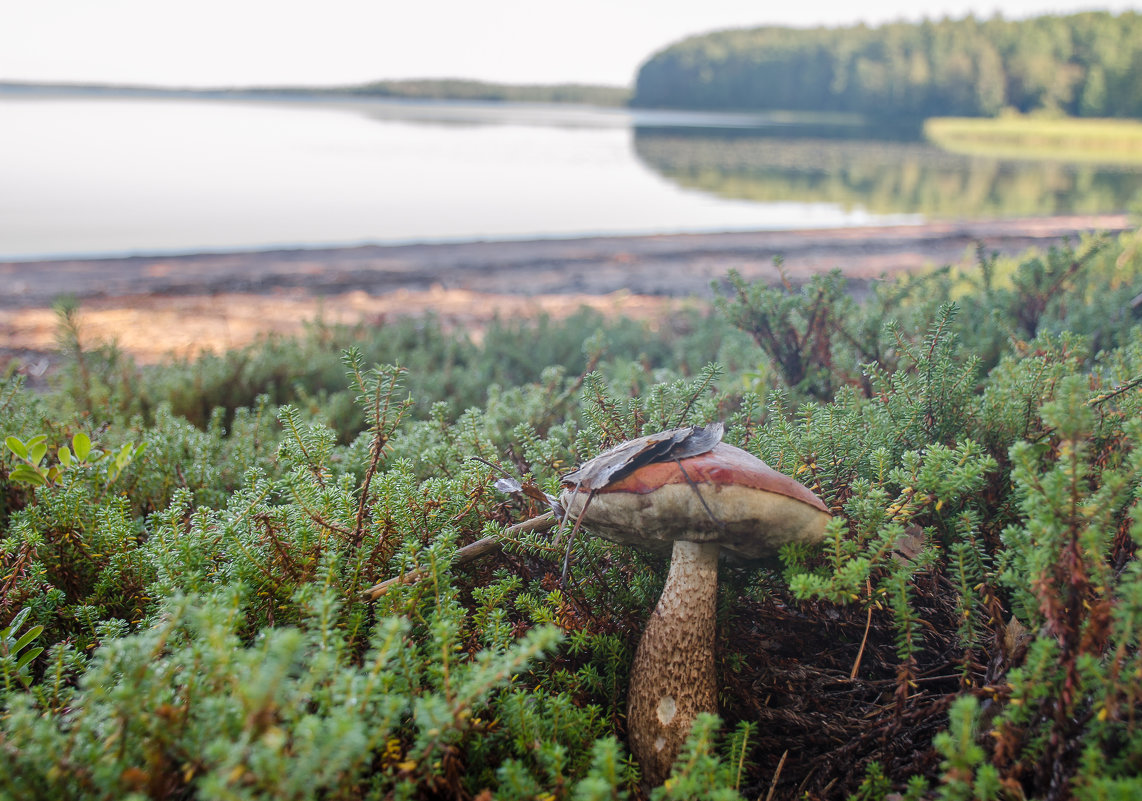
127 175
473 114
883 177
103 175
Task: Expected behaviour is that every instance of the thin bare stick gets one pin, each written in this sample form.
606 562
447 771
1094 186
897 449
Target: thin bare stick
776 776
492 465
1126 387
864 640
571 538
479 548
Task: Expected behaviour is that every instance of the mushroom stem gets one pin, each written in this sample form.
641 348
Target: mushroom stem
673 675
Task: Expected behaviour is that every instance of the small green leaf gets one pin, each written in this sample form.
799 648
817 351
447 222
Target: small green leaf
95 455
29 635
17 621
37 452
64 456
28 475
28 657
17 447
81 443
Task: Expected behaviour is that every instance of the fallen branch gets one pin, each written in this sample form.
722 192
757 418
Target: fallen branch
469 553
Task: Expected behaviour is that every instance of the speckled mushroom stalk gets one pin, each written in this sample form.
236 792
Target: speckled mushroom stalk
673 676
723 499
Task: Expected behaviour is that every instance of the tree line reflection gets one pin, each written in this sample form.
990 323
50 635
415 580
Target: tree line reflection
884 176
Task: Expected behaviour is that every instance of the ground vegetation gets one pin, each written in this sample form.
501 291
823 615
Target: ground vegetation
185 550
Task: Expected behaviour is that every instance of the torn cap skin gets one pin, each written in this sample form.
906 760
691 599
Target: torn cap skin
725 496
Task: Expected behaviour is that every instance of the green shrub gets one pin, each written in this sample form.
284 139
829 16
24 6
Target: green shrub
970 629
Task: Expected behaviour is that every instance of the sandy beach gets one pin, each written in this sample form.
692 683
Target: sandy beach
161 306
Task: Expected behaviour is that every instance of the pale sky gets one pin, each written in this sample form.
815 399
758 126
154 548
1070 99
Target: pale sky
326 42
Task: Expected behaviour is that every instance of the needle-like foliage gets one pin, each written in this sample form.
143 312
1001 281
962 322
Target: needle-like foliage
185 550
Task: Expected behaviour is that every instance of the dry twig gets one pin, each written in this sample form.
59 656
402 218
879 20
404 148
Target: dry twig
479 548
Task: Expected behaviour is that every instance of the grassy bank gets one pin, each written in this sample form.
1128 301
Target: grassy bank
1105 141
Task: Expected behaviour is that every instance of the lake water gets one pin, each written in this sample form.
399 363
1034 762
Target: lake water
98 175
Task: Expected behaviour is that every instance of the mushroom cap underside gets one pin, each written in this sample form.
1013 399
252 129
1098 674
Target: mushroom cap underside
725 496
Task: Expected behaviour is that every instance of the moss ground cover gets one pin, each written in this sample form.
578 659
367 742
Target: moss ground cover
183 551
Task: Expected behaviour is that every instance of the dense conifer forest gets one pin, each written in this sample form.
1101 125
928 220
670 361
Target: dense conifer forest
1087 65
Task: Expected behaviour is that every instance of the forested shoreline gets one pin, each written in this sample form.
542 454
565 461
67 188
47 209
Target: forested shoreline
1085 65
1080 65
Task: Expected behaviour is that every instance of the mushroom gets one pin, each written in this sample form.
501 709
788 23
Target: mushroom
694 505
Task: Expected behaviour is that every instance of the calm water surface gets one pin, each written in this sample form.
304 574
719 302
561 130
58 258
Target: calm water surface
100 175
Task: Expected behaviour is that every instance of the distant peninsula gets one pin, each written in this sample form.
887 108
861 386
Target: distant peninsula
412 89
